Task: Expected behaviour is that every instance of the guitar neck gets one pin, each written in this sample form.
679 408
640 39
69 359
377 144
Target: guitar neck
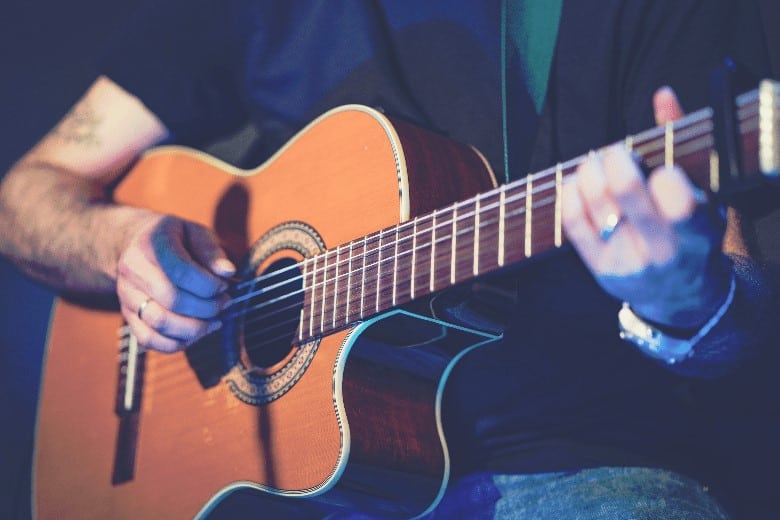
515 222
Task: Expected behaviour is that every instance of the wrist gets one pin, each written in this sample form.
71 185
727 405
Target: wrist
127 224
664 343
695 300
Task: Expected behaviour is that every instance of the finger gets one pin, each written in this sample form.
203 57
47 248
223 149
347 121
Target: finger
577 225
176 326
586 203
650 232
599 204
666 106
673 194
138 270
145 336
168 246
168 331
206 250
149 338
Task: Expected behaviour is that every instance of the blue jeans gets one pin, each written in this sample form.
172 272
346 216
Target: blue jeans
589 494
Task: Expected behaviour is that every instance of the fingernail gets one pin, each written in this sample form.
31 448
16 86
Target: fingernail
224 267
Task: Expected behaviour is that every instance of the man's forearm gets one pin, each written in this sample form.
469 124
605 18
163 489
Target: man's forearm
61 230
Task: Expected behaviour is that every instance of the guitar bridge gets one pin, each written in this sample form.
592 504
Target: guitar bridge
128 405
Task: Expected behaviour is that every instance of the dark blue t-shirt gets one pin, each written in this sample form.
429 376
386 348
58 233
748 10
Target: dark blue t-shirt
561 391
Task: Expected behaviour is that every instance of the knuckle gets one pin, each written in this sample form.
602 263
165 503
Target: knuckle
148 339
573 223
192 331
598 195
122 293
178 302
167 296
143 337
178 272
571 208
627 186
158 321
123 266
570 215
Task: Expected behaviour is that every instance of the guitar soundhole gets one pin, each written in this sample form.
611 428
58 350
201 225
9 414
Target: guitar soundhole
271 311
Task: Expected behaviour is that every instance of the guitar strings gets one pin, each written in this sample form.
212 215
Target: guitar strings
645 150
373 238
490 224
655 142
447 223
536 189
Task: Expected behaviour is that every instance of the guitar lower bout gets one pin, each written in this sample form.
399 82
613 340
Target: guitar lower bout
389 379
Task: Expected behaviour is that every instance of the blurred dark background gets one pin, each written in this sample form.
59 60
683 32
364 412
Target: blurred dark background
46 53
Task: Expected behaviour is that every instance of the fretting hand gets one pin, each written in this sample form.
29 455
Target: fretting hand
652 243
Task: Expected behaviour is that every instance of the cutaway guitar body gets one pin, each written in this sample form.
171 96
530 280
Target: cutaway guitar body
331 403
320 384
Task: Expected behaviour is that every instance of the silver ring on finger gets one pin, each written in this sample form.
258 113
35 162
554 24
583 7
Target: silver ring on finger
142 308
610 226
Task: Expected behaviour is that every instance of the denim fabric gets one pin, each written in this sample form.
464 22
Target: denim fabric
605 494
590 494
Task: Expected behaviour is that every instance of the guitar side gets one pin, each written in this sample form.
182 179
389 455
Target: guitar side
348 174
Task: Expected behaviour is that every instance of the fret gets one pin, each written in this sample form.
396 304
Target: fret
358 269
412 281
475 252
558 240
463 250
628 143
649 146
336 305
373 254
515 223
378 273
384 298
404 263
453 246
363 277
714 171
441 262
431 284
323 291
348 301
769 128
669 144
423 264
395 268
487 222
544 222
529 195
502 226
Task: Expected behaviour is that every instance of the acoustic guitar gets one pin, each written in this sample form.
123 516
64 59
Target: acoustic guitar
323 390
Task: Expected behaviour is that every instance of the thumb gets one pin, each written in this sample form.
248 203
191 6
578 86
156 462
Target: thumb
666 106
205 249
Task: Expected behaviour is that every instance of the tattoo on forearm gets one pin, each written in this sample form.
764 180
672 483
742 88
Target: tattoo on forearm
80 125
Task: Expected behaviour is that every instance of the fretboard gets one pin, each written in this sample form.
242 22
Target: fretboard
505 226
